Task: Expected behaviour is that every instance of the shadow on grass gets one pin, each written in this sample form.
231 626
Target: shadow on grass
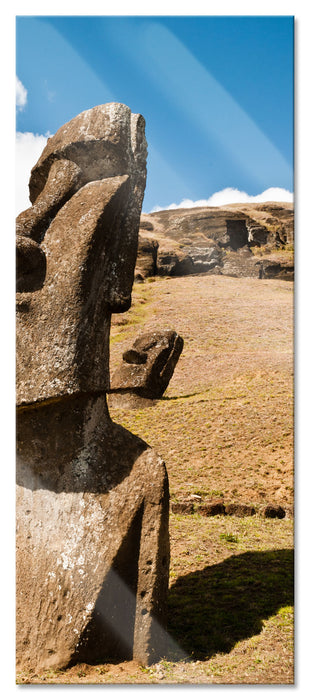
212 609
181 396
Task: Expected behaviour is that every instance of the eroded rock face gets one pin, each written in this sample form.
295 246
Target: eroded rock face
92 499
201 239
147 258
149 365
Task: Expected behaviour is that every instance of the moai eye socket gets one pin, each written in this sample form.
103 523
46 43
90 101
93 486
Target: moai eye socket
30 265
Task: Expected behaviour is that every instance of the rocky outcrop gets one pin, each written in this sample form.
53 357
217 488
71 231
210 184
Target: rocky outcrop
174 264
92 500
147 257
277 268
199 240
149 365
211 508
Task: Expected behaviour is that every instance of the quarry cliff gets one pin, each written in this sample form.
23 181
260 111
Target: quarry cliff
240 240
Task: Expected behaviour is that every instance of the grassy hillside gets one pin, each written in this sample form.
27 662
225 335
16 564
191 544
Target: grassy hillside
225 424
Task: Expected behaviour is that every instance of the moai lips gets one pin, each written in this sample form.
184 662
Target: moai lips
92 499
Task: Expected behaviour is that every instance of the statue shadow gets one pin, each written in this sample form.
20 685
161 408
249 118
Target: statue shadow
181 396
212 609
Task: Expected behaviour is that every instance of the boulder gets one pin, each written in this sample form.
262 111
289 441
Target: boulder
210 508
273 511
258 235
92 502
182 507
149 365
239 509
205 258
277 269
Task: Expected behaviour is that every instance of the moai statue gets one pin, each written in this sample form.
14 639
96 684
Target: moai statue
92 499
148 365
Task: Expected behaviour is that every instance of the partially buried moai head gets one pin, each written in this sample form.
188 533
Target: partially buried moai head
76 252
149 364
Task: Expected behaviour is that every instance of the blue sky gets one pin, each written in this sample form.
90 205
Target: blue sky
216 93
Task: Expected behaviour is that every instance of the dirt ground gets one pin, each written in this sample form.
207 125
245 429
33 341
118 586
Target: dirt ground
225 429
225 423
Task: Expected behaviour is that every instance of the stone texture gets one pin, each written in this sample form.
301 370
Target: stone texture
278 269
92 500
273 511
174 264
183 507
63 180
147 257
149 365
239 509
30 265
201 239
210 508
92 512
90 247
205 258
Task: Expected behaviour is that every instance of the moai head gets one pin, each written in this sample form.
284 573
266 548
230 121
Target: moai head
149 364
76 252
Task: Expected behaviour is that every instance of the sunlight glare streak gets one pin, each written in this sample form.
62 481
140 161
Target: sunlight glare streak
209 106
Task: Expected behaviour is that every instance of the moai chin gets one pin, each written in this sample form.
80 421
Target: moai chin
92 499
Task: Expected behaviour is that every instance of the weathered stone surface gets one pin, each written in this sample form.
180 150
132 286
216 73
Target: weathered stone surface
228 224
103 142
241 263
239 509
147 257
63 180
183 507
210 508
92 499
92 503
149 365
199 240
174 264
63 333
205 258
30 265
257 235
274 511
279 269
90 247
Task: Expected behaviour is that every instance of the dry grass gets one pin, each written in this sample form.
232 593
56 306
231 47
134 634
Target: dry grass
224 427
225 424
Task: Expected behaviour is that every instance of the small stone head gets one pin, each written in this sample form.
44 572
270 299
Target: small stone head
149 364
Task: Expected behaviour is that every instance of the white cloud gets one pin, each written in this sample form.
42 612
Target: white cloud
28 148
21 95
231 195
